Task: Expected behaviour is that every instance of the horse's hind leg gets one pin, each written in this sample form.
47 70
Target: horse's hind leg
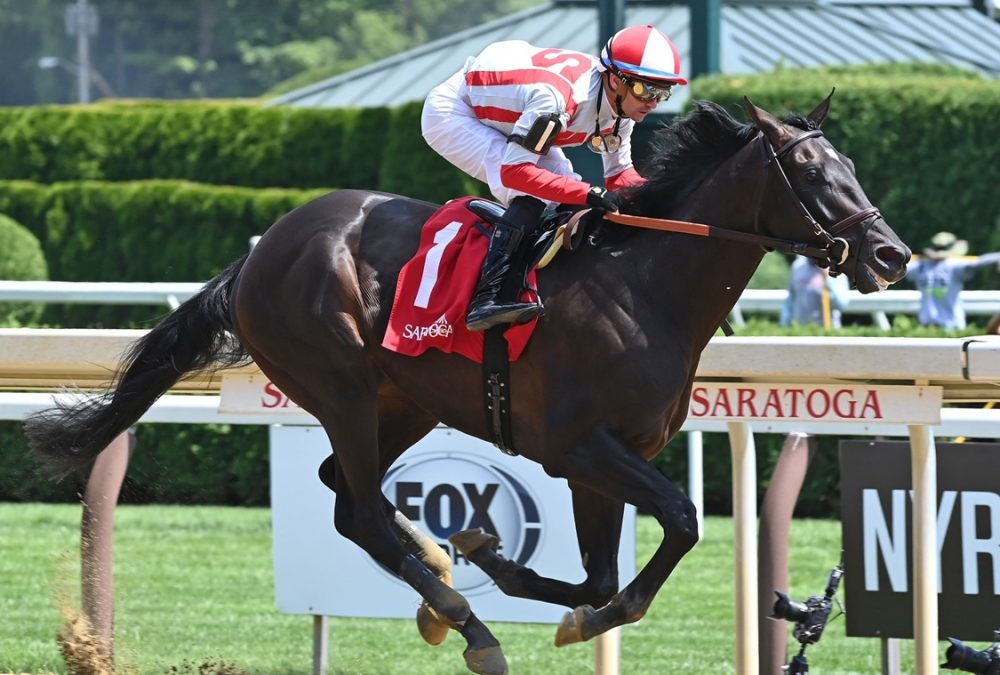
401 423
598 531
433 629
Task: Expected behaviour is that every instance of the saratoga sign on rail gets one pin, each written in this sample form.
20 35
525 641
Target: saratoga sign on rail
242 393
815 402
253 393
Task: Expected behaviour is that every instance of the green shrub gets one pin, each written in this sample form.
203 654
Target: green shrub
140 231
772 272
199 464
410 167
21 259
223 143
228 143
173 463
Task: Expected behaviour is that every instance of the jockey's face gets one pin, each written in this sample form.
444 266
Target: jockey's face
633 107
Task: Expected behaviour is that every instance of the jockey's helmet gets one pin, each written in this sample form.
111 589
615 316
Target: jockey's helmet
643 53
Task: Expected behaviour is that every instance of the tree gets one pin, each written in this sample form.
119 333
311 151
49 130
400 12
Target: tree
219 48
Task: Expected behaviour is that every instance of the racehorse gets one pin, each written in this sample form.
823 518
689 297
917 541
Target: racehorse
601 387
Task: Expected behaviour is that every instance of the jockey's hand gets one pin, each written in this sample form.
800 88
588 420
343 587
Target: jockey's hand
604 200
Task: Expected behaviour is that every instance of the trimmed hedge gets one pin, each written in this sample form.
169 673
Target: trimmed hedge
21 259
140 231
919 136
173 463
411 168
916 132
224 143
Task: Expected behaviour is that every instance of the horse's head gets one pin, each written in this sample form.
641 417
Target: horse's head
812 194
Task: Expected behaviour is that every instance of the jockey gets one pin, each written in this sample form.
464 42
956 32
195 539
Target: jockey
504 117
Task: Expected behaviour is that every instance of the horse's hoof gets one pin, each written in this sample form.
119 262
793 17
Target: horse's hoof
570 629
486 661
432 628
468 541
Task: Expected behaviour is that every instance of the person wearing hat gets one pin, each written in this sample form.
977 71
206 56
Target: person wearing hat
940 274
506 115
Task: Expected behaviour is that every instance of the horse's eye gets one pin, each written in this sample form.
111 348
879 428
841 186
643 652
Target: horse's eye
812 175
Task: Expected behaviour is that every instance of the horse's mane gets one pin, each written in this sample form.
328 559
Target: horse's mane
685 152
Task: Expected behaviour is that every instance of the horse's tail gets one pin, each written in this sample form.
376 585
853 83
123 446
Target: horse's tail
195 336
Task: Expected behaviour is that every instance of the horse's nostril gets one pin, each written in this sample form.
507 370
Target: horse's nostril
892 256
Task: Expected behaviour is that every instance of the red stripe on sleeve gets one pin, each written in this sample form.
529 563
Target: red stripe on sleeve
627 178
533 180
494 114
571 138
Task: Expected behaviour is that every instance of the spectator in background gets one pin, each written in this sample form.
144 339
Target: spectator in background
940 274
814 296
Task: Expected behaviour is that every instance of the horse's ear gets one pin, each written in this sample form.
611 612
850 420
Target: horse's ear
818 116
768 123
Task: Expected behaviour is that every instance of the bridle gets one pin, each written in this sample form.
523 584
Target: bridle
833 254
837 249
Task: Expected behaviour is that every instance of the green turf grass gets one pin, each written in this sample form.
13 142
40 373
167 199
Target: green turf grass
194 586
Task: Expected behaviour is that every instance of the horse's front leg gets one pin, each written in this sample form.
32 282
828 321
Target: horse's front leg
607 465
598 522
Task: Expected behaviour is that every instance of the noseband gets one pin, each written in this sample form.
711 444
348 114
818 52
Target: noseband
837 249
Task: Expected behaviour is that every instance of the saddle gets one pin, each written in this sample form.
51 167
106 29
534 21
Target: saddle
561 228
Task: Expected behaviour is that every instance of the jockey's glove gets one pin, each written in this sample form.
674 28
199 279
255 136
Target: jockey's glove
604 200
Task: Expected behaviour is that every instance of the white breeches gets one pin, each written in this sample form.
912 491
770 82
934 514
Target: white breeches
452 129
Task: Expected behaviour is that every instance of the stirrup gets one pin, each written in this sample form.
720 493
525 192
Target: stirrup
490 315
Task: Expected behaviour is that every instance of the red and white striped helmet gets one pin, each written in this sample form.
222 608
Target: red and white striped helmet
645 53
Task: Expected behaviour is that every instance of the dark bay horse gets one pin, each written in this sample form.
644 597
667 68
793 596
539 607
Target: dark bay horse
601 388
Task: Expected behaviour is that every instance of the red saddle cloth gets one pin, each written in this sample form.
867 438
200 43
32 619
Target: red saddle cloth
436 285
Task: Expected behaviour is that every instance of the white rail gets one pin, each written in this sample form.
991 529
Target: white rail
98 292
876 305
204 409
753 301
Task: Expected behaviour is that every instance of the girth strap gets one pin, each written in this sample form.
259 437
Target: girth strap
496 385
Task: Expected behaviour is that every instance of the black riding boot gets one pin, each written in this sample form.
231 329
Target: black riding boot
485 310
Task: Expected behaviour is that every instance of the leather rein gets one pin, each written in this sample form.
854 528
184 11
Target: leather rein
833 254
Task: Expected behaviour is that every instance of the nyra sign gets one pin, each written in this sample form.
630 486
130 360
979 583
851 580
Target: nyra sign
446 483
877 516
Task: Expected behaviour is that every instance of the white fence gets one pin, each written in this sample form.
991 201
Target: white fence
876 305
769 302
98 292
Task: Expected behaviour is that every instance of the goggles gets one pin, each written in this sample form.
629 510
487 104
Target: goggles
644 91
